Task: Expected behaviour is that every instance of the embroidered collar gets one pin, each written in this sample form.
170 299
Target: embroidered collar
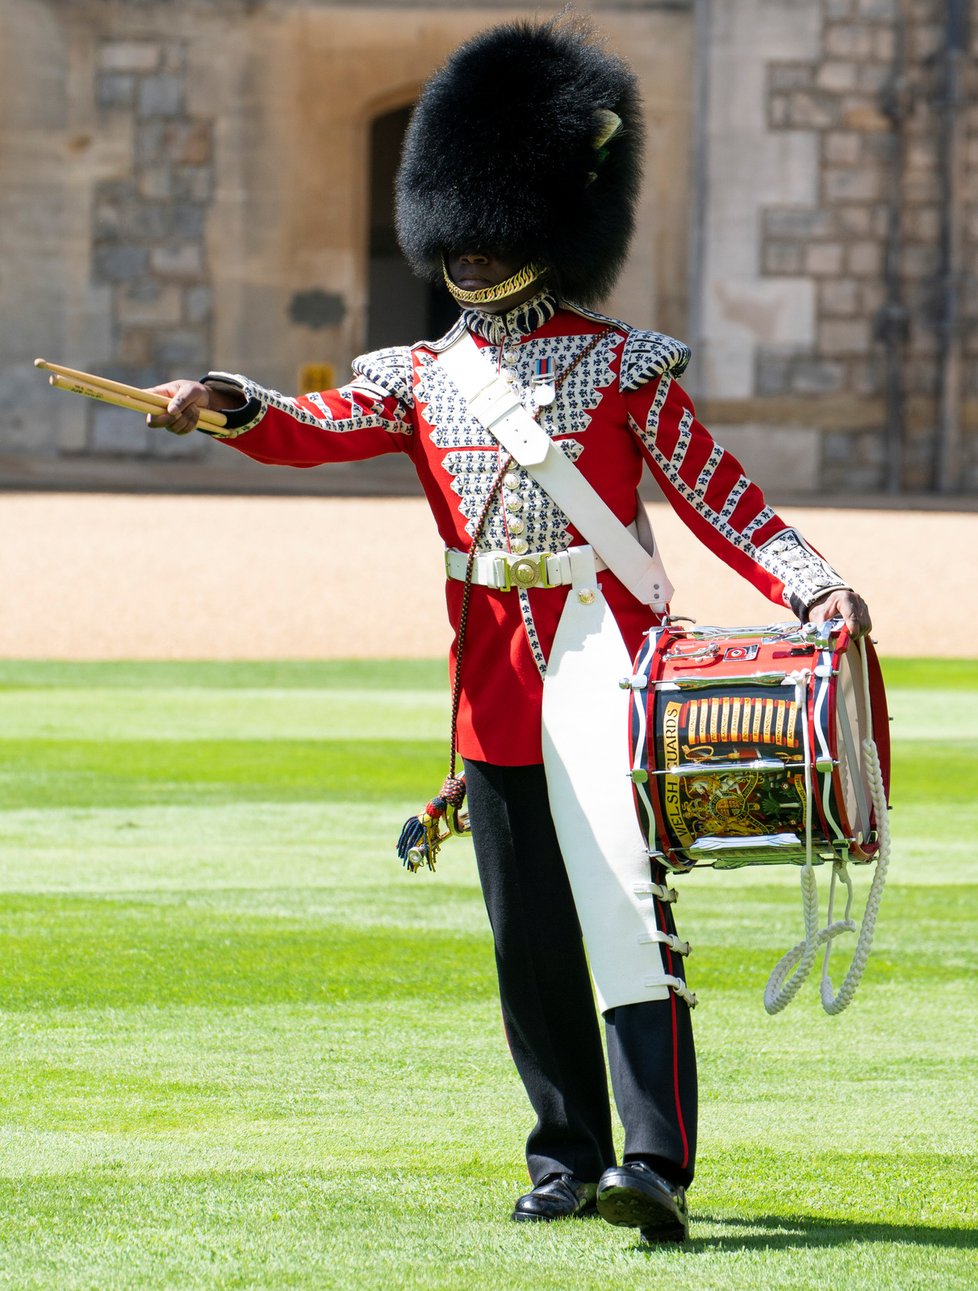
519 321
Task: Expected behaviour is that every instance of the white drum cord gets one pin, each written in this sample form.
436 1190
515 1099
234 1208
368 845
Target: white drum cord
783 984
794 967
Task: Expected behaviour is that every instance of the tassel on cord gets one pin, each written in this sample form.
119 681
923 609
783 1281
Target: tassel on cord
422 835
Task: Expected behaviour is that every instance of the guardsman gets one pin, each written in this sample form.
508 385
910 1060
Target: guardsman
517 189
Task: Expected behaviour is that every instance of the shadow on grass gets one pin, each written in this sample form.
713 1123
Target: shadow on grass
778 1232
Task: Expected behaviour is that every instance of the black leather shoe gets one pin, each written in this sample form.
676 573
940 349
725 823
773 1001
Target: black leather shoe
635 1196
558 1196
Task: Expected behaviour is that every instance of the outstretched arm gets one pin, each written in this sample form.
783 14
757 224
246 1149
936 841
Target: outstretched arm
369 416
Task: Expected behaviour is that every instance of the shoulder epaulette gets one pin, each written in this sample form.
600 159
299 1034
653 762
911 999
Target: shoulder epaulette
391 369
647 355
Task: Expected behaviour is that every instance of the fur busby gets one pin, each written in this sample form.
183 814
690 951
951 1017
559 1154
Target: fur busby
500 156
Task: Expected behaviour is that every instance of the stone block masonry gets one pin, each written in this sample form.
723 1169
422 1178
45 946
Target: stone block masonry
848 99
132 155
148 229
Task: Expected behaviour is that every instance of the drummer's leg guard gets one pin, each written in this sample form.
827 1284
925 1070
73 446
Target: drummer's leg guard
653 1068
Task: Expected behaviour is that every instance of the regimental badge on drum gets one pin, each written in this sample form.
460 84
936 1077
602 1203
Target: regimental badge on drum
719 729
740 653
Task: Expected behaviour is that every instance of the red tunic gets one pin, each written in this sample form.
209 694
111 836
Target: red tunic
616 411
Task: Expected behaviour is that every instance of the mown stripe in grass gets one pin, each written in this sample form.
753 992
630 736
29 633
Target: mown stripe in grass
63 773
946 674
942 774
932 674
738 940
37 773
60 951
328 674
217 1071
200 713
430 1228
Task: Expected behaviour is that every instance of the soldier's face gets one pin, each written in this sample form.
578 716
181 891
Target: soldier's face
475 270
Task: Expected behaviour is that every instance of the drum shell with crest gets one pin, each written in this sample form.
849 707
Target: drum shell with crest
736 735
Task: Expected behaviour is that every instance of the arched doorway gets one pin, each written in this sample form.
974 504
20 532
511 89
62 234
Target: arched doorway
400 308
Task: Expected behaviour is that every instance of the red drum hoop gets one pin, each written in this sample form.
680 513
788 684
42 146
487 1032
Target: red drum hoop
730 729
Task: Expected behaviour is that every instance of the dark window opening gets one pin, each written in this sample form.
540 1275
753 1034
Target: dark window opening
401 308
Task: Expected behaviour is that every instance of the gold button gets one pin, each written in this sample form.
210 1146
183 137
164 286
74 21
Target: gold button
518 546
511 480
514 524
514 504
586 596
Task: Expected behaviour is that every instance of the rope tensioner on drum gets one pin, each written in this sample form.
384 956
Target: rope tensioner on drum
782 988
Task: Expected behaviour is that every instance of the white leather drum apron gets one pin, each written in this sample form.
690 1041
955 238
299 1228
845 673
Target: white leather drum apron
585 717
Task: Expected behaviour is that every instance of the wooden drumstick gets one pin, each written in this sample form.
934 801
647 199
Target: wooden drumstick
117 393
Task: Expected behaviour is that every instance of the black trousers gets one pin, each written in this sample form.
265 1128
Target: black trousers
548 1004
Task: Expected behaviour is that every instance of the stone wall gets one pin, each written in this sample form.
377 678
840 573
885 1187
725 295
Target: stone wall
187 185
107 155
148 227
855 88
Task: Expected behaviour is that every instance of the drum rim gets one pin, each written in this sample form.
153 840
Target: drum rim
843 645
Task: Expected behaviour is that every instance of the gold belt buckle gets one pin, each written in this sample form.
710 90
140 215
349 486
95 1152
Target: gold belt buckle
528 571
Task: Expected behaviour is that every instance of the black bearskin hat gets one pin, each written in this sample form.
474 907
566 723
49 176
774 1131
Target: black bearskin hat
501 155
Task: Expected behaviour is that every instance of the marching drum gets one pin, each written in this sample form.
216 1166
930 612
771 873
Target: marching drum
749 745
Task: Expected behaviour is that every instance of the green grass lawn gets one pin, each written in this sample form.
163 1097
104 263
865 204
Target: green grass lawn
240 1047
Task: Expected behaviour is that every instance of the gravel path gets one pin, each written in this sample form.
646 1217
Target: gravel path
122 576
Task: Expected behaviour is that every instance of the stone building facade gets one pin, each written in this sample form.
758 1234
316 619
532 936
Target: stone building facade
835 287
208 184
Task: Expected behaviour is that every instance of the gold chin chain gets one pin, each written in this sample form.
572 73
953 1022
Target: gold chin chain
491 295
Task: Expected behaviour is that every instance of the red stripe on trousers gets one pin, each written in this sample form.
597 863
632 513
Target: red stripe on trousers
664 927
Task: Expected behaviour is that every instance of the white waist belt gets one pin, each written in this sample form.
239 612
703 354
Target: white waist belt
502 571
